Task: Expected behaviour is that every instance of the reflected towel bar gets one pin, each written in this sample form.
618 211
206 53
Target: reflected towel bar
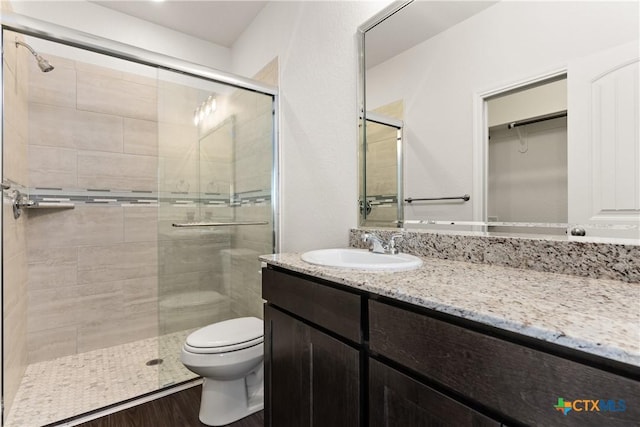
466 198
218 224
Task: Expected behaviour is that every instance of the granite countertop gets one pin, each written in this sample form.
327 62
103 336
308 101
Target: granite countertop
598 316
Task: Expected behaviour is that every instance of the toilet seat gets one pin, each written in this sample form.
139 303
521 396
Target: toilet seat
226 336
224 349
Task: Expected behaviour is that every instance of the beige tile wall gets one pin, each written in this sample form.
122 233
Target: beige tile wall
14 262
16 92
216 159
92 127
15 302
382 175
117 93
92 270
178 145
381 159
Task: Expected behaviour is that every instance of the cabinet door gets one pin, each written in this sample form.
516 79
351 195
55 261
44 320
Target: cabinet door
311 379
398 400
287 370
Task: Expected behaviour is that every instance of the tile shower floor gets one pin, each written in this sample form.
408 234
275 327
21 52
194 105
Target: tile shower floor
68 386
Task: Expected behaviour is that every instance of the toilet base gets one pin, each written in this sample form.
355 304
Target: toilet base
224 402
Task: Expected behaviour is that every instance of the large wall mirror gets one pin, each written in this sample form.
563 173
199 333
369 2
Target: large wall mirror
518 116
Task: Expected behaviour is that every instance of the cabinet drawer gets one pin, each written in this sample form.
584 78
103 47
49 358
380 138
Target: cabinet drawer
517 381
336 310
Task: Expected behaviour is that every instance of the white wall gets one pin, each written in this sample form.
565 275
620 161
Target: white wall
94 19
438 78
317 50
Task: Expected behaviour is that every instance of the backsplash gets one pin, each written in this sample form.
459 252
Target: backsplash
587 259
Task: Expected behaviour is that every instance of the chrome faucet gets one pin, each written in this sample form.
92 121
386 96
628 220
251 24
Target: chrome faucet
377 245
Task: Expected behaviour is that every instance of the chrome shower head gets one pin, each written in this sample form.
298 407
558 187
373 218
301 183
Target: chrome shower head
44 65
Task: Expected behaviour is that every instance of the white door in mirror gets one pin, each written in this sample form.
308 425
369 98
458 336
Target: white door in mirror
603 144
361 259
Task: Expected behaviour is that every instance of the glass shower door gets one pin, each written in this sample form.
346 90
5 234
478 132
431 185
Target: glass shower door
99 287
215 149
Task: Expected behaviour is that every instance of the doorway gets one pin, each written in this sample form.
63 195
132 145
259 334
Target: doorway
525 157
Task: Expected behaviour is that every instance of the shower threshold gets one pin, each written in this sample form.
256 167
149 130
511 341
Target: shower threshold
70 386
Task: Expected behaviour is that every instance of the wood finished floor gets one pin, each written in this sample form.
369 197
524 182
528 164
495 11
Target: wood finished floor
176 410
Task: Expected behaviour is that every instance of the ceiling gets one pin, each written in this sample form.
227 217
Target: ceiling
220 22
416 23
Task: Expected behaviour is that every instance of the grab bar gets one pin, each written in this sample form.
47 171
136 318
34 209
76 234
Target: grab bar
466 198
218 224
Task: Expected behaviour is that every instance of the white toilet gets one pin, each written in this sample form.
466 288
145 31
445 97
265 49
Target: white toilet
228 355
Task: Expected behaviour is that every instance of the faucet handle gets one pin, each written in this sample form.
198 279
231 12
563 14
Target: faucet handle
392 242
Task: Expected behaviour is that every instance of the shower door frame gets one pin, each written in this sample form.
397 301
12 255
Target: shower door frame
79 39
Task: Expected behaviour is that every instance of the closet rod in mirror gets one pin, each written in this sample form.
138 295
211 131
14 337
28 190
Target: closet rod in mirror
537 120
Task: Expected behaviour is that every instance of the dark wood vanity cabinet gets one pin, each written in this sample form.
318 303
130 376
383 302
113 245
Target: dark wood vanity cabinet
312 377
520 383
336 357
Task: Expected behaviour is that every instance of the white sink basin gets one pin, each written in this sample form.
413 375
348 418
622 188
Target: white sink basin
361 259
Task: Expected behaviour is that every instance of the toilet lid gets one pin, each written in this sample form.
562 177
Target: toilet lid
229 333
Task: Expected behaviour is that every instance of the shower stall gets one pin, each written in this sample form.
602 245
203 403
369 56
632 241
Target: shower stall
380 158
138 192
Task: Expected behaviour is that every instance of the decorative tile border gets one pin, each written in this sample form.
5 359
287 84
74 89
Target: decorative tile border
586 259
124 197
